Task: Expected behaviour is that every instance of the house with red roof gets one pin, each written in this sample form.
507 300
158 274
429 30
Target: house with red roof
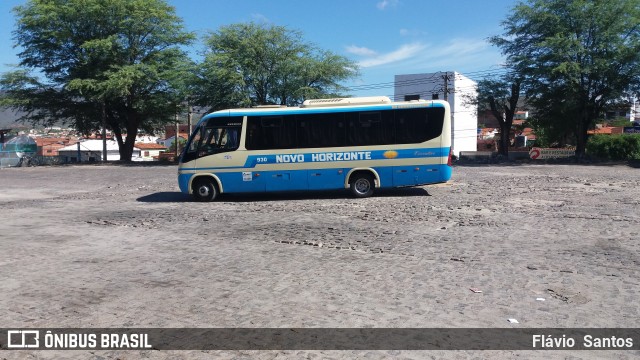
150 151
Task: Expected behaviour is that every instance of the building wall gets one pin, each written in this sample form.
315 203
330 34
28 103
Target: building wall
91 150
170 130
169 141
87 156
48 146
49 150
464 118
464 115
150 154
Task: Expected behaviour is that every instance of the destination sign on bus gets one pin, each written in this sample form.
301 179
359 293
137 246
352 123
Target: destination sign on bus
322 157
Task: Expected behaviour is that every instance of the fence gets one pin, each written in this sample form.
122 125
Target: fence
13 161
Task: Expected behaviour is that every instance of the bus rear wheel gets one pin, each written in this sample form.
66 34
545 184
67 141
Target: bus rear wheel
362 185
204 190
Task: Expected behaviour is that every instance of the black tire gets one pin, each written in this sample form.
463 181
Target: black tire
204 189
362 185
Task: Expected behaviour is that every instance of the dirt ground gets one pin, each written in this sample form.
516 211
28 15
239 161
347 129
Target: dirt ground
120 246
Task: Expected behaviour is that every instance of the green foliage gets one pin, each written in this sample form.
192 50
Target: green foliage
500 96
251 64
618 122
120 58
181 144
576 57
552 121
544 136
615 147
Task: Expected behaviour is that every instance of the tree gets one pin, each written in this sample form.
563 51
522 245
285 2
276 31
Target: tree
100 61
553 121
500 96
575 56
251 64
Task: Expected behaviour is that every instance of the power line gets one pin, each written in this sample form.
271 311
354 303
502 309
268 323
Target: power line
428 80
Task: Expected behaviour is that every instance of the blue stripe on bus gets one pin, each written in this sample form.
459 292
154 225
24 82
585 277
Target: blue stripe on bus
337 156
321 179
333 156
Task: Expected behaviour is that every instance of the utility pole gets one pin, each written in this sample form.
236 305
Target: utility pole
104 131
189 114
175 138
445 77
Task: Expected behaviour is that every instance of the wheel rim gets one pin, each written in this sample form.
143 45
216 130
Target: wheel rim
203 191
362 186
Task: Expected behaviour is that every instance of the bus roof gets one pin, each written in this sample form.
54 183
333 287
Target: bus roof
328 106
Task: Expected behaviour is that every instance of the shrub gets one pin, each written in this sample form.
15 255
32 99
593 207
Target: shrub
615 147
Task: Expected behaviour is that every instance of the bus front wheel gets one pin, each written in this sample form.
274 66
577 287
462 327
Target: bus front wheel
204 190
362 185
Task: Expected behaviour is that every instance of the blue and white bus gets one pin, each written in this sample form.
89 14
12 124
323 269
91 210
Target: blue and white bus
361 144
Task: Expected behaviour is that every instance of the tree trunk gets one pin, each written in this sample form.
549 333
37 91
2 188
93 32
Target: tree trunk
126 148
505 131
505 117
581 138
507 123
581 132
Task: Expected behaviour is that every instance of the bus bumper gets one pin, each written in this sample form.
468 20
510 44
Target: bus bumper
446 171
183 182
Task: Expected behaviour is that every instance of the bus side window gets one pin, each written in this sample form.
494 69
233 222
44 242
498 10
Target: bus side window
321 130
418 125
433 123
371 128
195 140
254 136
271 132
232 138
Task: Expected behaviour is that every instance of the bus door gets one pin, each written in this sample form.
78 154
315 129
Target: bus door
214 148
250 179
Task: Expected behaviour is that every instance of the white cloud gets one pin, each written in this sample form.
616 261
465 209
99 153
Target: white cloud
404 52
459 55
412 32
455 54
260 18
360 51
458 47
386 3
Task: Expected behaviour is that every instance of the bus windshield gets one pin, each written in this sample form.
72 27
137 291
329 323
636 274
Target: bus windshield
213 137
214 140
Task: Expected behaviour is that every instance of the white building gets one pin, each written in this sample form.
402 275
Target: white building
91 150
150 151
146 139
168 142
454 87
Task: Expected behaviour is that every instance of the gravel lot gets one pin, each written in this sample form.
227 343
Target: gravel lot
120 246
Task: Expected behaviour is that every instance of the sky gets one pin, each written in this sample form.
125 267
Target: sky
384 37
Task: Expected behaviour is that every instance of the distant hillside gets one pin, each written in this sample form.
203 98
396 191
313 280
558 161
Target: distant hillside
8 119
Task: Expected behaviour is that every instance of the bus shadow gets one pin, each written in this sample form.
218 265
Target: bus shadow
171 197
317 195
164 197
